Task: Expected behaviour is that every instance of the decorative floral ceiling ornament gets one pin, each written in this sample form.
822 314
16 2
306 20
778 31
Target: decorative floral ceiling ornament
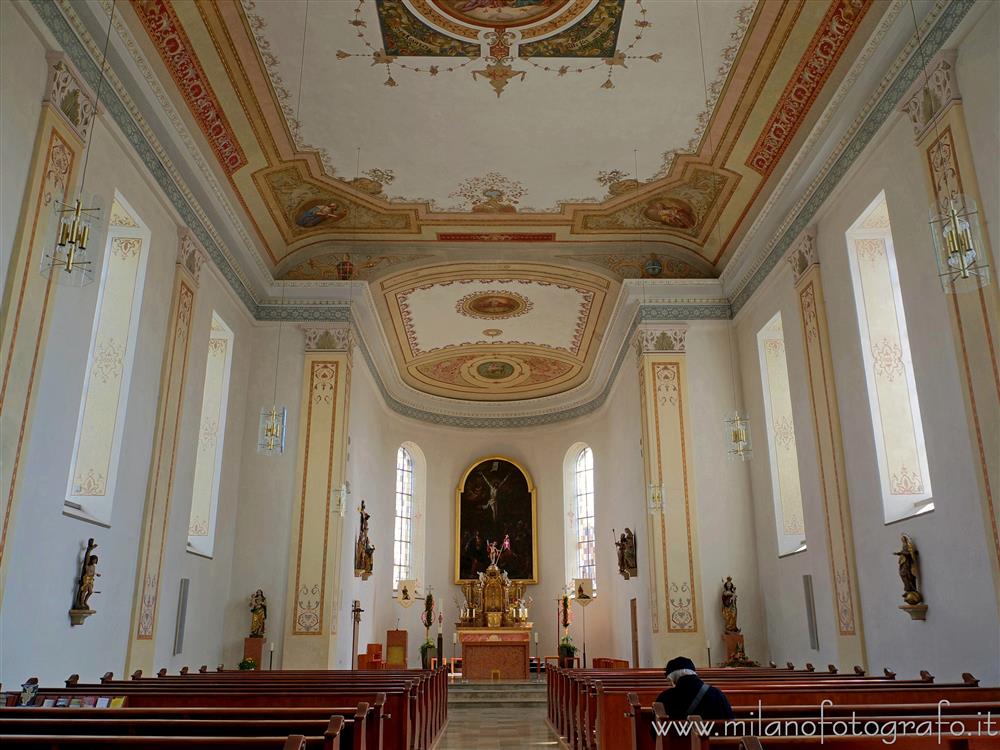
491 193
502 34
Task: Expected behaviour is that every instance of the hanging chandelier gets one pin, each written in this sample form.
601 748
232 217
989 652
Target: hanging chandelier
738 436
69 262
954 218
957 243
273 418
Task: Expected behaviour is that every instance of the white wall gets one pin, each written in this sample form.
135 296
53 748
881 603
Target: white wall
613 432
961 632
35 635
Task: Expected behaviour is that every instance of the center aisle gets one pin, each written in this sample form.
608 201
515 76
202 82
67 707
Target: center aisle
496 716
496 728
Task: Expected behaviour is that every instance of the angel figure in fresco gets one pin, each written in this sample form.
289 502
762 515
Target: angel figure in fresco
314 213
672 212
491 504
506 543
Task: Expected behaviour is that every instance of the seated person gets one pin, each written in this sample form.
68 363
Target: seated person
690 696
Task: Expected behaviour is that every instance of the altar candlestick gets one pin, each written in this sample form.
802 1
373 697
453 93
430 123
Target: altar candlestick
454 639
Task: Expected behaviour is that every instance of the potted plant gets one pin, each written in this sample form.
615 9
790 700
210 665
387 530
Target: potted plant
566 652
427 652
427 649
247 664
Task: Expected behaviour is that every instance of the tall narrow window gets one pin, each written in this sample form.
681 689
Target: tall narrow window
211 433
892 392
94 466
583 488
403 535
785 487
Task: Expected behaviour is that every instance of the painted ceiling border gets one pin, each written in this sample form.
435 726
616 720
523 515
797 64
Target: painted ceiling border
933 40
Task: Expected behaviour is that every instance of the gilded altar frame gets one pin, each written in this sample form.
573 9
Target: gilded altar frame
533 493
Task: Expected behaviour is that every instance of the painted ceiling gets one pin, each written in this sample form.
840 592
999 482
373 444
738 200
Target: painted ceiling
489 332
495 168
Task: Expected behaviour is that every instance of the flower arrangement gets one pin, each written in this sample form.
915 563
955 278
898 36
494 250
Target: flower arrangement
567 647
565 613
247 664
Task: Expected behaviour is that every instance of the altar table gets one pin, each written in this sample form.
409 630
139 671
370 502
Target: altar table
488 650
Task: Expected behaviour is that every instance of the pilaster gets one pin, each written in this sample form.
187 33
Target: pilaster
934 106
317 531
166 435
675 580
829 452
66 118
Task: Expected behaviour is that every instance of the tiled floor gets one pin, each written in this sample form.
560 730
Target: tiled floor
497 728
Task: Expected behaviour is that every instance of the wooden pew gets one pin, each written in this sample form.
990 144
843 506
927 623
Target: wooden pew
413 703
351 731
293 742
370 717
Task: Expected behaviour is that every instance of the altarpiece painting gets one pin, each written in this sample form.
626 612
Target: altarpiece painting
496 504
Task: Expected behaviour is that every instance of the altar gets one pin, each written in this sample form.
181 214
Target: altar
493 629
489 653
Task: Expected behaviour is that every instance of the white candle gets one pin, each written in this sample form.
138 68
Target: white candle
536 638
454 638
272 647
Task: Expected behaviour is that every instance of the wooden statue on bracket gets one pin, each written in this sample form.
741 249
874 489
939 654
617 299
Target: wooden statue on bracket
909 571
258 614
364 551
627 565
85 586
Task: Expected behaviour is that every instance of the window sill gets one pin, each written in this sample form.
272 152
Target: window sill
78 512
198 553
926 509
799 551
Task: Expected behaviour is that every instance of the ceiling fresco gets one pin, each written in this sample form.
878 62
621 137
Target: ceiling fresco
495 169
559 126
485 331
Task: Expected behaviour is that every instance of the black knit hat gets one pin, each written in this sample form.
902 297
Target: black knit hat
679 662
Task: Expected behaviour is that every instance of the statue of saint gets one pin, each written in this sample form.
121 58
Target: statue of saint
88 577
729 605
258 614
908 558
364 551
627 565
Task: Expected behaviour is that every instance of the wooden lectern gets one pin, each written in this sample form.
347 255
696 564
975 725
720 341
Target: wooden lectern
395 649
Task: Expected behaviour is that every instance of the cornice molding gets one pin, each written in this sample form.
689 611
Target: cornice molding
879 107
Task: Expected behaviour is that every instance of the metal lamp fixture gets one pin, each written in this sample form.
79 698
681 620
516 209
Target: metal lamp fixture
69 260
271 432
738 435
655 497
273 418
957 245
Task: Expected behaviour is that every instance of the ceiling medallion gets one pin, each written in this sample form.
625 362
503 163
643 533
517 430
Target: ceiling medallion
493 305
584 36
492 332
495 369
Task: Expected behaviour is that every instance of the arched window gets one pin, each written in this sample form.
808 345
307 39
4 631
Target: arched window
402 552
211 434
892 389
781 445
583 506
94 467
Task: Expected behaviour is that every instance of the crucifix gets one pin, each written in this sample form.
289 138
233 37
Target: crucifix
356 611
